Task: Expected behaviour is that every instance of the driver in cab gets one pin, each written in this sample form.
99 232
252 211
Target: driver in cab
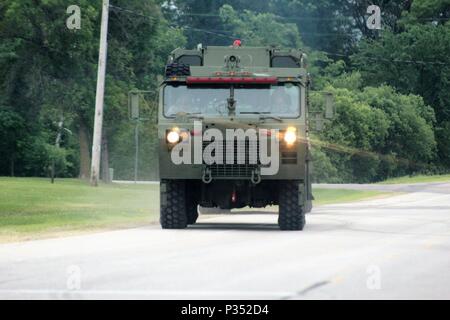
183 104
281 102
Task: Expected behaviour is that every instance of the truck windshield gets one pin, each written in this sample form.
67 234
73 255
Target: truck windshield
282 100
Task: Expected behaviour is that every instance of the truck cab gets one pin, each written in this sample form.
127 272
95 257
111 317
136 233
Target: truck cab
233 132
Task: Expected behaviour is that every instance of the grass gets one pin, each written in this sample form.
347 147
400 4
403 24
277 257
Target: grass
418 179
32 208
330 196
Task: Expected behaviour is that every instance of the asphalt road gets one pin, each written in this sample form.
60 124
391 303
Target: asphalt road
390 248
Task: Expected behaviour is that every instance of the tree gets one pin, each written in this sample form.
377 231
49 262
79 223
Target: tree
201 19
410 133
49 71
260 29
377 132
427 11
414 61
12 133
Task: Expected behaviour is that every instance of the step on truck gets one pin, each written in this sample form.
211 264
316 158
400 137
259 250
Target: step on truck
233 133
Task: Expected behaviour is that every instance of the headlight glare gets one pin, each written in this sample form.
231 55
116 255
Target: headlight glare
290 136
173 137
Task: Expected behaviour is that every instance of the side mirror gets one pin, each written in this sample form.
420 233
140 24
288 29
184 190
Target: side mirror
143 106
323 110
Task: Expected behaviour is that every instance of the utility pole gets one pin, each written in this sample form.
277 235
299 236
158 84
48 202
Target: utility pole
98 123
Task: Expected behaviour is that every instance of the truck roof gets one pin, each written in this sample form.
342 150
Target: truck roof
267 61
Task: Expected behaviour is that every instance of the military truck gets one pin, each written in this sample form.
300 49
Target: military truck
235 87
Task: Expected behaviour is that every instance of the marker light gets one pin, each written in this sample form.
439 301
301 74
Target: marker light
173 136
290 136
238 80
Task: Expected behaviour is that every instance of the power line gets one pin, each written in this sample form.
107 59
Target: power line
212 32
131 12
173 26
222 33
300 18
421 62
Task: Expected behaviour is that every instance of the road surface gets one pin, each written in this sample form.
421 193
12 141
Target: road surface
390 248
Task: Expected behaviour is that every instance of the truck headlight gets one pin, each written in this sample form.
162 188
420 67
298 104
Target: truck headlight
173 136
290 136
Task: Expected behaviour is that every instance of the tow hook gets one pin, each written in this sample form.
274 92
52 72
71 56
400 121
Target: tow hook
207 176
256 176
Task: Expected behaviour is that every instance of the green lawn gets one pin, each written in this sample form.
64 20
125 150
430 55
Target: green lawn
418 179
330 196
33 208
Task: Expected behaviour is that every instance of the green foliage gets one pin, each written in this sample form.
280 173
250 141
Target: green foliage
357 130
323 169
260 29
411 133
201 19
49 71
123 160
392 97
413 61
377 133
427 11
58 156
12 133
334 74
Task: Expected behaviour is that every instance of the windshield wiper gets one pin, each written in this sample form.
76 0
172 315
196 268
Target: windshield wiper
263 115
190 115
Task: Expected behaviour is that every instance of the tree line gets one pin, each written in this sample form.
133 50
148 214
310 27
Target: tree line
390 85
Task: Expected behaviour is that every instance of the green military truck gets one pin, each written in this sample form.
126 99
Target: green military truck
262 90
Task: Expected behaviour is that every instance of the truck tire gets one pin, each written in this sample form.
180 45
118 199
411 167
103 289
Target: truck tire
291 214
173 205
177 69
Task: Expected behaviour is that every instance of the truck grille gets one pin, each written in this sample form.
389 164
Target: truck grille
245 159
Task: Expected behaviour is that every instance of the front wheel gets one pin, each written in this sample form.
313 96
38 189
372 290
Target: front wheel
291 213
173 205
